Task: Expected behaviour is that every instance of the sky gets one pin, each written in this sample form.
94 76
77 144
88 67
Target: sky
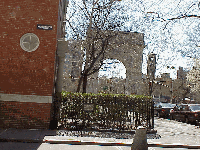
113 68
175 42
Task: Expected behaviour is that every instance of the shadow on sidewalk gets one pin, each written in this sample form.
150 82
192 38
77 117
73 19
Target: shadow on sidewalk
23 139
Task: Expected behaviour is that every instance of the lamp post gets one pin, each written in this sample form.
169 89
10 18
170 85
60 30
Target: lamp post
150 83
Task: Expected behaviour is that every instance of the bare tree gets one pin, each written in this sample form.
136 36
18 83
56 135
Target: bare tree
180 89
180 86
100 18
185 14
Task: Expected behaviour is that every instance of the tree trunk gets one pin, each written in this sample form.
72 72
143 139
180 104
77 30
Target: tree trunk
84 83
79 84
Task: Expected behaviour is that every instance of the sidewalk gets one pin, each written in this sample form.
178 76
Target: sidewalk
12 139
171 132
33 139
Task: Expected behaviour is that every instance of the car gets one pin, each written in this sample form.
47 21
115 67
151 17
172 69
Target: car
162 110
188 113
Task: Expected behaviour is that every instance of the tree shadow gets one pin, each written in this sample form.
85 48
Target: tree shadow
23 139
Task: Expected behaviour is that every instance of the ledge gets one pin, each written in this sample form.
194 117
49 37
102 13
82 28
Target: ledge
25 98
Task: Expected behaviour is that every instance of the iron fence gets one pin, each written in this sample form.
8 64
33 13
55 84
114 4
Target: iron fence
105 112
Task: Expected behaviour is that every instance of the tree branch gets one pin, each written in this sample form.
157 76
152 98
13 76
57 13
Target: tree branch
104 47
86 8
180 17
175 18
184 16
73 29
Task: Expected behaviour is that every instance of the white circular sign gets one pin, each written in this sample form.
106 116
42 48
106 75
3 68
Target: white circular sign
29 42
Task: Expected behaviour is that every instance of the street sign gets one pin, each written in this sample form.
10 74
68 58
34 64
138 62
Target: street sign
44 27
88 107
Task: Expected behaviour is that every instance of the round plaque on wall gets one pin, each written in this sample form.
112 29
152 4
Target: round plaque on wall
29 42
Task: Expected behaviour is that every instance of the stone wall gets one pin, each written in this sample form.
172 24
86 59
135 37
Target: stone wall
105 85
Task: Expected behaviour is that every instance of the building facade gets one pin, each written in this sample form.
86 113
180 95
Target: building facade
28 43
193 81
162 89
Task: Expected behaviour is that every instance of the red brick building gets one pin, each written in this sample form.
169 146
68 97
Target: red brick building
29 30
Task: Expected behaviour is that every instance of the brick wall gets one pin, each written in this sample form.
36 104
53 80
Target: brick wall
21 72
27 73
24 115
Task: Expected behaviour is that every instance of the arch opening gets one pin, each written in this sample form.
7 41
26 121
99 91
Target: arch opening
112 68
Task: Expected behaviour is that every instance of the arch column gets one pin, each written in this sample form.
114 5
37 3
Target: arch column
133 74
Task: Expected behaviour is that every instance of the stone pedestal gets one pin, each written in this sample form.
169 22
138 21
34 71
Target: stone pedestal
140 139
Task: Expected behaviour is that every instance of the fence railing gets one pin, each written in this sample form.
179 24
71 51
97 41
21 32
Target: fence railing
106 112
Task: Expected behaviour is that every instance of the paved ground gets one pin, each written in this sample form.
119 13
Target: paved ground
171 132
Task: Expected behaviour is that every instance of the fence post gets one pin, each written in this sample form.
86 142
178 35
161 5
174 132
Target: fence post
140 139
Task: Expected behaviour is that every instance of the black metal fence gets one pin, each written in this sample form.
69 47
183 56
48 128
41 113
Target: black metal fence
105 112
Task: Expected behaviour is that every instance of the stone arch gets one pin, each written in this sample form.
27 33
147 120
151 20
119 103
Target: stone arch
127 47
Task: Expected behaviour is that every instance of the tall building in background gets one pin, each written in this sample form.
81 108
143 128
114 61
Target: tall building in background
181 74
193 79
